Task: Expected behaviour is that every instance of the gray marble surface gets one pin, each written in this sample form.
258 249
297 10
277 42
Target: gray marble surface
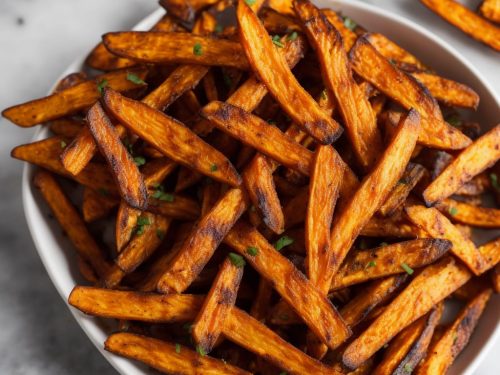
38 39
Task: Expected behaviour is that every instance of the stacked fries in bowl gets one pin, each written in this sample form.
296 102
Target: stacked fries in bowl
288 193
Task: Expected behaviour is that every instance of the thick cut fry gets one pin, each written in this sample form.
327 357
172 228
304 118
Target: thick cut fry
127 176
71 222
259 183
438 226
398 195
388 260
276 23
402 88
407 349
372 192
326 177
70 80
392 51
449 92
71 100
171 138
220 300
490 9
397 226
202 242
432 285
175 48
262 300
180 207
257 133
66 127
97 205
185 10
444 351
314 308
353 105
466 20
271 67
167 357
482 154
469 214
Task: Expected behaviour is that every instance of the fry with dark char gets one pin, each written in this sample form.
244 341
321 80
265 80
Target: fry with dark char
466 20
388 260
126 173
171 138
205 237
185 10
482 154
175 48
372 192
402 88
438 226
271 67
444 351
468 214
70 220
353 105
317 312
167 357
219 301
71 100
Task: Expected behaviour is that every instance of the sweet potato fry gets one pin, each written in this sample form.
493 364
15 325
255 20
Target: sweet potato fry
372 193
353 105
126 173
270 65
483 153
407 349
66 127
402 88
167 357
432 285
262 300
388 260
185 10
466 20
179 207
220 299
469 214
259 183
257 133
438 226
490 9
397 226
72 100
171 138
491 253
444 351
495 278
316 310
71 222
449 92
175 48
46 154
277 23
97 205
398 195
202 242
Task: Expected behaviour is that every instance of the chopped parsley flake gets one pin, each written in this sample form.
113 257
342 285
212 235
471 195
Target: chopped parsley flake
213 167
407 268
135 79
160 234
277 42
407 368
160 194
349 23
101 85
371 264
282 242
237 260
197 50
63 144
139 160
494 181
323 94
252 250
293 36
177 348
142 221
453 120
250 2
200 351
453 211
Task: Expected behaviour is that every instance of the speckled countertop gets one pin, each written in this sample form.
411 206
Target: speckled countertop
38 39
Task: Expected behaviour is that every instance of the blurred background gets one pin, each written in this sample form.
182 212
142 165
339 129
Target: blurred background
38 39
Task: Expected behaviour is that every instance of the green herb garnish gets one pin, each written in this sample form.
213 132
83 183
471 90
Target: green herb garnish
293 36
407 268
454 120
250 2
135 79
237 260
200 351
177 348
139 160
407 368
252 250
101 85
323 94
453 211
197 50
277 42
494 181
142 221
371 264
349 23
160 234
63 144
213 167
282 242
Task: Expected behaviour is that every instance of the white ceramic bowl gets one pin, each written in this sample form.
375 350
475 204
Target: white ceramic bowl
56 251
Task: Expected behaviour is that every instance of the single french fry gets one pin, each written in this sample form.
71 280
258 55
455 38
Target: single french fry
438 226
469 214
71 100
316 310
466 20
71 222
66 127
402 88
257 133
277 23
70 80
202 242
449 92
353 105
97 205
175 48
444 351
388 260
372 193
167 357
185 10
483 153
262 300
397 225
490 9
126 173
282 6
217 307
432 285
407 349
259 183
171 138
179 207
270 65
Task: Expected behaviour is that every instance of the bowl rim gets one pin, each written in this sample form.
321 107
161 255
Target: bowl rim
87 323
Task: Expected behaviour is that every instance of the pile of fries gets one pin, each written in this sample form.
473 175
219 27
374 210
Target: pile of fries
289 194
482 27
